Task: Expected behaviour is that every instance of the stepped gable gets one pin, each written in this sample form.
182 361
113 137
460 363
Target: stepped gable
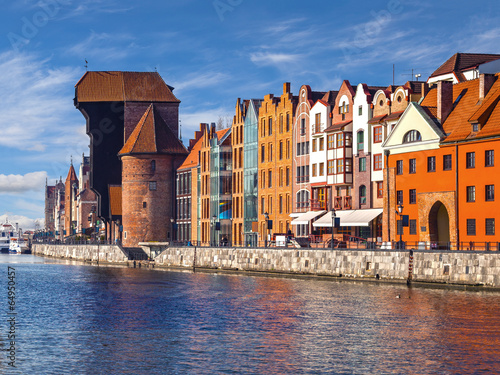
463 61
122 87
152 136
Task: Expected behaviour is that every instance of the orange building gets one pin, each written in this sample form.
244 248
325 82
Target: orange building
441 167
238 172
275 162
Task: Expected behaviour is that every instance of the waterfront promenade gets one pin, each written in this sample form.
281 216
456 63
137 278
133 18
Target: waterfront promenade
458 268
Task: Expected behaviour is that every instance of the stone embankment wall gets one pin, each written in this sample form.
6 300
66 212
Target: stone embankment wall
458 267
101 253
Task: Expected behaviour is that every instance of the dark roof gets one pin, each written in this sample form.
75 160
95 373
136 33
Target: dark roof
393 116
376 120
337 126
152 136
123 86
464 61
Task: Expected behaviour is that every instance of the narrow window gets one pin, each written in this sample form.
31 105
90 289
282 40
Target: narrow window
447 162
471 193
399 197
377 134
490 193
489 158
152 185
413 196
399 167
377 162
431 164
413 166
470 159
490 227
471 227
413 226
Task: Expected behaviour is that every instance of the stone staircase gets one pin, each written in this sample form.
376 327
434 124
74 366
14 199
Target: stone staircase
135 253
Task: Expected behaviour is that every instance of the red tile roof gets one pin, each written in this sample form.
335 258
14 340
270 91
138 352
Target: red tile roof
123 86
71 174
152 136
194 156
463 61
468 109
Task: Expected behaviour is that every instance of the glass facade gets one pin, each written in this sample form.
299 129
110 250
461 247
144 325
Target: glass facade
220 187
250 177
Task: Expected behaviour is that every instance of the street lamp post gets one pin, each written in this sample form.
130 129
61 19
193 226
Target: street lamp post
266 216
172 222
400 211
333 221
213 229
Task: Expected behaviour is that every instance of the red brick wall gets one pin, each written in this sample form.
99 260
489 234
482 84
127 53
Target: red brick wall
150 223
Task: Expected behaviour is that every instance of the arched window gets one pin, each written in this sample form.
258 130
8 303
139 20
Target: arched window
361 140
412 136
362 194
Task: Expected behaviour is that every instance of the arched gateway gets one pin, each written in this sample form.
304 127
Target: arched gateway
439 224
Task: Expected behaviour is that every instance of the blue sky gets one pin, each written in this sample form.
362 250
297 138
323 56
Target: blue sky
212 52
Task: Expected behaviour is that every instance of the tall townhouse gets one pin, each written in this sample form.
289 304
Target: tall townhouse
339 160
321 119
301 190
275 168
186 228
251 173
376 111
237 139
441 169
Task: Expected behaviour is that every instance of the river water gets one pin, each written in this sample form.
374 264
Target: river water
80 319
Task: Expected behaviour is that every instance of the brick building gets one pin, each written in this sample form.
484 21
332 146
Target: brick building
441 167
150 158
117 105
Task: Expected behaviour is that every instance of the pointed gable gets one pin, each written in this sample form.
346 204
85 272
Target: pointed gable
414 118
71 174
152 136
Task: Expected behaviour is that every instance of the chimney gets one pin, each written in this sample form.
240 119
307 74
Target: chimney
444 100
286 88
485 83
425 89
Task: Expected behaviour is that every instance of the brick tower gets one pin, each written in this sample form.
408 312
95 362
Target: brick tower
149 158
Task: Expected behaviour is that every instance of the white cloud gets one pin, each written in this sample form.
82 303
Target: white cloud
25 223
99 46
272 58
199 80
15 183
36 108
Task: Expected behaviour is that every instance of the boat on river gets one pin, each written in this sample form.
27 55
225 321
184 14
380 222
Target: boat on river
11 239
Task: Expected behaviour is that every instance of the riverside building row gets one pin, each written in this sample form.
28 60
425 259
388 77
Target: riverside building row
366 154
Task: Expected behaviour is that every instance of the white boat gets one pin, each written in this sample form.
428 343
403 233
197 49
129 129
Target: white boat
18 245
11 239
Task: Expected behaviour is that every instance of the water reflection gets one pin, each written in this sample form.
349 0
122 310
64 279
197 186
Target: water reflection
77 318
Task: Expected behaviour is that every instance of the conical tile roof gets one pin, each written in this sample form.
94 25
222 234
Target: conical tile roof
152 136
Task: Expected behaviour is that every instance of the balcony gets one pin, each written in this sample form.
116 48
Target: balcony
343 203
302 179
302 206
318 205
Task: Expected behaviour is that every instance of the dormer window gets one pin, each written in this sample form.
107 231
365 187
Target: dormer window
475 127
412 136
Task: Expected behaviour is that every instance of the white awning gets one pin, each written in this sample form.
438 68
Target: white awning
307 217
361 218
326 220
349 218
